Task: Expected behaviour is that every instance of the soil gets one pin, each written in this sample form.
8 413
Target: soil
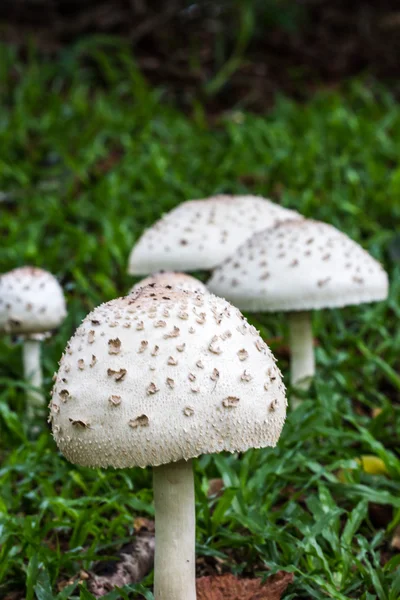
295 48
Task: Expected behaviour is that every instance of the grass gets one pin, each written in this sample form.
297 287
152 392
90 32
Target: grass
83 169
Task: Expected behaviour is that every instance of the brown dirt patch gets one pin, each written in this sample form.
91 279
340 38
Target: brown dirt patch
229 587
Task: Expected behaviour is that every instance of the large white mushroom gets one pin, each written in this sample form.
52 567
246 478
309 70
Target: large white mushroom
299 266
200 234
155 379
31 304
182 281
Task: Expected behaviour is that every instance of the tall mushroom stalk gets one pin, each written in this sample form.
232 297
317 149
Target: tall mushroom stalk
302 359
174 503
31 353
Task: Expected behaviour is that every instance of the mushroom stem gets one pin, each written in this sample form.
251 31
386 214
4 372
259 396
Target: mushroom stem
174 502
32 372
302 366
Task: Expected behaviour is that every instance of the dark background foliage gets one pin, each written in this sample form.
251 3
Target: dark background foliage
225 52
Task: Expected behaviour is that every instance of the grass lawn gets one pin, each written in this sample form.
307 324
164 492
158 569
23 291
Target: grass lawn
83 169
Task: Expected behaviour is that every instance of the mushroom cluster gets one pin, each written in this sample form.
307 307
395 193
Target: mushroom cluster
158 378
172 371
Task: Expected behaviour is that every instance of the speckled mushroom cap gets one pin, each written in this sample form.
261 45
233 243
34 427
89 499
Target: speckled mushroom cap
31 301
181 281
199 234
299 265
164 375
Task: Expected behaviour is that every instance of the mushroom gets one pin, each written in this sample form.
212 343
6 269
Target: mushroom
174 279
200 234
299 266
211 386
31 304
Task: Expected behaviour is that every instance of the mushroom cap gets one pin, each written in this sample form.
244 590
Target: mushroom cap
299 265
200 234
163 375
181 281
31 301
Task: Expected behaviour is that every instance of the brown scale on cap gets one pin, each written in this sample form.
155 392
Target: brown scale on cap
115 400
245 376
243 354
117 375
160 324
143 346
114 346
213 346
64 395
172 334
152 389
214 375
230 402
141 421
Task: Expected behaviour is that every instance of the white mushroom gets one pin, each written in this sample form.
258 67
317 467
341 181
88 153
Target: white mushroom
299 266
181 281
31 304
136 407
200 234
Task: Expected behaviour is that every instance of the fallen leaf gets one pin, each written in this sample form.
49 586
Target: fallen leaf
143 524
134 562
229 587
373 465
215 488
369 463
395 543
376 412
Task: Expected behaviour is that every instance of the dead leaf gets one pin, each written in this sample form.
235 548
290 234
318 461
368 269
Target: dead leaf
143 524
373 465
134 562
229 587
395 543
15 596
215 488
376 412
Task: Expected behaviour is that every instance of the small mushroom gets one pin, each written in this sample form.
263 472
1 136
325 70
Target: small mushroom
313 272
32 305
213 229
